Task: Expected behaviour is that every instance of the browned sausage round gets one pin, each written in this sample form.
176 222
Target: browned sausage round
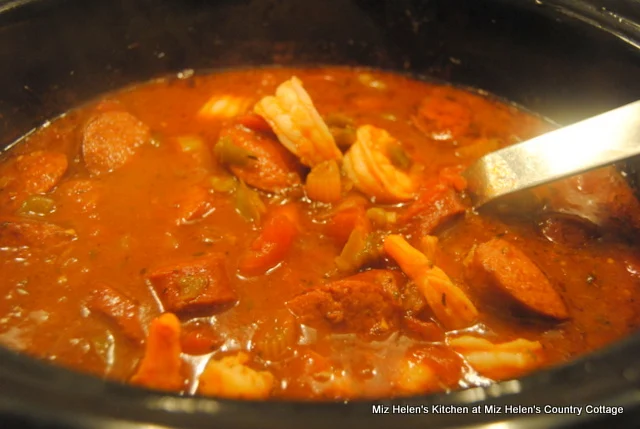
110 140
34 173
272 167
508 268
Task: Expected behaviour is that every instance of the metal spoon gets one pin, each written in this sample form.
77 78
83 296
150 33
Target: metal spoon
595 142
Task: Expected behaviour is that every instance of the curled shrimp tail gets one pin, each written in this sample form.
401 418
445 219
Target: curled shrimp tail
298 125
499 361
368 165
449 303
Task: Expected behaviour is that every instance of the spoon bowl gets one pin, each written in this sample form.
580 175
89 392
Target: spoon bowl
596 142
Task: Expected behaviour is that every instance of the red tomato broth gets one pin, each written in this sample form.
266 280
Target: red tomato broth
133 226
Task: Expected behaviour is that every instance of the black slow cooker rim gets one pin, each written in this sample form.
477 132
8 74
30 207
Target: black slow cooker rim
606 377
595 13
45 392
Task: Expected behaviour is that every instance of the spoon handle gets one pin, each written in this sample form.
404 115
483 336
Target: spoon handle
595 142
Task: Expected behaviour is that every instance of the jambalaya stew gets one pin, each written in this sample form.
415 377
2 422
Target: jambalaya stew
302 234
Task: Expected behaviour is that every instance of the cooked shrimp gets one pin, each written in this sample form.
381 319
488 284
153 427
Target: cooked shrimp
499 361
161 364
416 378
449 304
339 385
229 377
298 125
225 106
426 369
429 247
368 165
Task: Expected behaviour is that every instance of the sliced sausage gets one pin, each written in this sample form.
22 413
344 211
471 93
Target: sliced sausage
197 285
436 206
34 234
443 209
269 166
413 302
110 139
365 303
118 309
503 265
33 173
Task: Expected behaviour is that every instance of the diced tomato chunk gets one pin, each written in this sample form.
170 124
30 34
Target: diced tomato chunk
199 339
254 122
192 204
272 245
346 219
